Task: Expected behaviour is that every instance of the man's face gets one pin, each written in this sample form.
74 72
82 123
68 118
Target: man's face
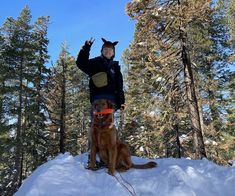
108 52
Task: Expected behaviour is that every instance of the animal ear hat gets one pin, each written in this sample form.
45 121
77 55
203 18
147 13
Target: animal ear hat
109 44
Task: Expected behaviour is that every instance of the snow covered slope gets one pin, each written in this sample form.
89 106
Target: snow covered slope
66 176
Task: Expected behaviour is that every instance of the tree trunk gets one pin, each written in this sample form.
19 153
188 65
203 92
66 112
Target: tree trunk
178 145
62 114
18 153
174 100
21 169
192 101
200 109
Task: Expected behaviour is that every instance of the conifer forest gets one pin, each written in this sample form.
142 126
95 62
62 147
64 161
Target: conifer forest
179 87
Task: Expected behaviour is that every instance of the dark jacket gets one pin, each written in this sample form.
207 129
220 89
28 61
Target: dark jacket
101 64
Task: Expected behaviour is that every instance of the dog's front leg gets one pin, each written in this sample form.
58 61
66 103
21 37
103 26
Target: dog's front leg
112 159
93 156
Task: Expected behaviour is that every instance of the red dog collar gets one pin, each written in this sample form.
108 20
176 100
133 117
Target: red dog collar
105 111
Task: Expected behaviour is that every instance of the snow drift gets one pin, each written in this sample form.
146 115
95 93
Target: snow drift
66 176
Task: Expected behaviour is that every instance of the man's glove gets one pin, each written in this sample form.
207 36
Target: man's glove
88 44
123 107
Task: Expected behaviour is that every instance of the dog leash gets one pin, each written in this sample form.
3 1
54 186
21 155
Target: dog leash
121 123
128 183
122 183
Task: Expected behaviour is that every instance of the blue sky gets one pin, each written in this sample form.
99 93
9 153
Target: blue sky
75 21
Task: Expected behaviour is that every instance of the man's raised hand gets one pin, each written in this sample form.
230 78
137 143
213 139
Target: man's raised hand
90 42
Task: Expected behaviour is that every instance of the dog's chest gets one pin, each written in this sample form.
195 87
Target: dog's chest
106 138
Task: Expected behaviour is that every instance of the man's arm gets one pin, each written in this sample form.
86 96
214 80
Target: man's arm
83 56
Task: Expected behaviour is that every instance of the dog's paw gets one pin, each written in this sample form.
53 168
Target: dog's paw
111 173
90 166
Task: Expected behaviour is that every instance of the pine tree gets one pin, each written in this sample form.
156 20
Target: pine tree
78 109
68 105
40 79
165 26
211 52
187 51
19 56
16 33
56 98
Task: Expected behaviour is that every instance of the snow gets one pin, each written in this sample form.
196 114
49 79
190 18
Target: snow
66 176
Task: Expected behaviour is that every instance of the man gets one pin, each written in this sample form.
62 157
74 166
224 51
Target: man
106 81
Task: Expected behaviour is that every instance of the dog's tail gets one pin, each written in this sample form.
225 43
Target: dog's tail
148 165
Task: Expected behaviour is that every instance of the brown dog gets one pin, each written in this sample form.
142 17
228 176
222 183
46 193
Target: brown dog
106 143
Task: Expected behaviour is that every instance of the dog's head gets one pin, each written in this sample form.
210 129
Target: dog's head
101 104
101 109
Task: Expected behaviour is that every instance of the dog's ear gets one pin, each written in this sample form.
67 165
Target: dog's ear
95 105
110 104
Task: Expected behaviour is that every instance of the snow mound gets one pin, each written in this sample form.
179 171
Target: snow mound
66 176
